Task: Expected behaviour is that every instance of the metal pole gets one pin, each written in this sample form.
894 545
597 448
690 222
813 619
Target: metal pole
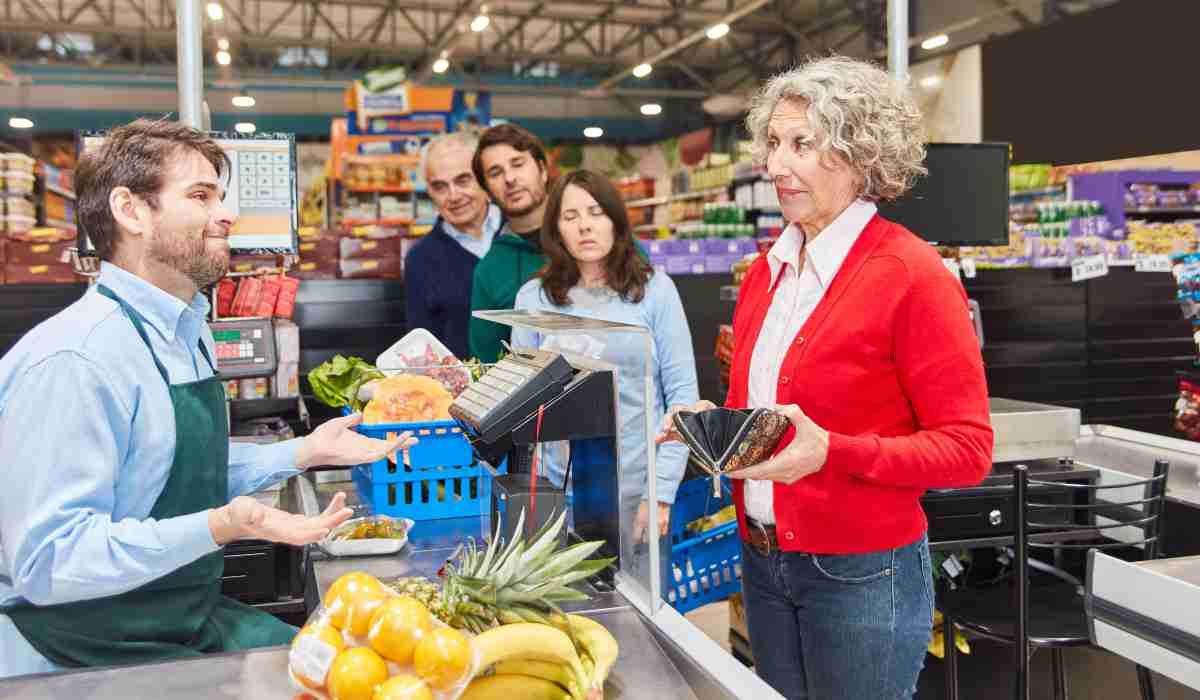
897 34
188 36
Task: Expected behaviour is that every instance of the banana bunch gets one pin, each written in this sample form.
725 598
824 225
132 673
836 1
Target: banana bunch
539 661
937 644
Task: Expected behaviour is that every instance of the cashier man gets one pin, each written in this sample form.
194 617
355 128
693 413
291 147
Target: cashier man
119 483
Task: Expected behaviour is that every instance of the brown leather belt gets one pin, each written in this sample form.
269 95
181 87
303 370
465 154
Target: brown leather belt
762 537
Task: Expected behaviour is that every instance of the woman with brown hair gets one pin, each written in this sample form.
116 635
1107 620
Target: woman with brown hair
594 270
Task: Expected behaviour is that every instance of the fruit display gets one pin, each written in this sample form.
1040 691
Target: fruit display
491 629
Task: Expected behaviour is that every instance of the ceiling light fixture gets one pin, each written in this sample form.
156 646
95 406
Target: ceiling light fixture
481 21
20 123
243 100
931 81
441 65
245 127
651 109
223 44
224 58
593 132
215 12
935 42
642 70
717 31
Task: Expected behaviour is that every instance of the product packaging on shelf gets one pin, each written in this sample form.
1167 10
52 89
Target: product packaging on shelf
287 340
16 162
316 269
39 252
384 268
268 295
253 388
250 263
1187 410
51 273
285 307
245 302
365 249
16 182
226 290
286 382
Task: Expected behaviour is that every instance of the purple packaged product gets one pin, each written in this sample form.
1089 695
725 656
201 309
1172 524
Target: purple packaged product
720 263
1173 198
671 246
685 265
720 246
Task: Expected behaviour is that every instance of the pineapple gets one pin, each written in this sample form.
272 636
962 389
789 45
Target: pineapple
502 584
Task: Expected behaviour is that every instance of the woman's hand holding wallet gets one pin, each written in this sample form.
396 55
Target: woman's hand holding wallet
805 454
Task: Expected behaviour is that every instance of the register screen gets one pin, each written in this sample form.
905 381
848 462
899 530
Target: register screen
260 191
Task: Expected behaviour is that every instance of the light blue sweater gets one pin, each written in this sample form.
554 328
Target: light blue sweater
673 370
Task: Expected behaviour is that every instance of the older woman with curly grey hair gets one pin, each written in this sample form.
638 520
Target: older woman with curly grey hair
852 327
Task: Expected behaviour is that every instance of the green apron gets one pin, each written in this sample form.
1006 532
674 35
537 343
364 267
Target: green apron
183 613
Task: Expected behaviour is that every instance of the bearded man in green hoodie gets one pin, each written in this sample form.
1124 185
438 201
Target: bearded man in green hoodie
510 163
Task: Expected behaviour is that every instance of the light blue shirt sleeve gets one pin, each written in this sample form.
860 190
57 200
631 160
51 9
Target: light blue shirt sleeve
254 467
61 541
676 377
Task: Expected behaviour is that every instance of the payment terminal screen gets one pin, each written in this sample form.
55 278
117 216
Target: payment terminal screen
260 190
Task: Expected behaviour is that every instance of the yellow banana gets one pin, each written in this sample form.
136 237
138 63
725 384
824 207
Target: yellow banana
510 687
555 673
599 644
529 640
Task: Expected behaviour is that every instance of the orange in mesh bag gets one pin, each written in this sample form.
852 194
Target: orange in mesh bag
367 642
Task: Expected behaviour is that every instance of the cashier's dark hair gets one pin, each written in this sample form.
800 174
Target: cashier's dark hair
626 270
136 155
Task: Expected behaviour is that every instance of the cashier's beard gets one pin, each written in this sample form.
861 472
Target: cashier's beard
199 255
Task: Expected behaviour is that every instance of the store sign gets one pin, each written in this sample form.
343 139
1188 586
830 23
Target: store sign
1152 263
1089 267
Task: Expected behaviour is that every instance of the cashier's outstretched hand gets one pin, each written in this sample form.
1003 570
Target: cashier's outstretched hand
336 442
244 518
805 454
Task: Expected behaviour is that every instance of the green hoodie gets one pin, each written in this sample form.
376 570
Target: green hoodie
508 264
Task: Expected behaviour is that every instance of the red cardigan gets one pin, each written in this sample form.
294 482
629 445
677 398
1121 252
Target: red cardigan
889 364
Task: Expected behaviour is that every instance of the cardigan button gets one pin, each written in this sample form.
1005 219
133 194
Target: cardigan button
800 340
789 536
784 380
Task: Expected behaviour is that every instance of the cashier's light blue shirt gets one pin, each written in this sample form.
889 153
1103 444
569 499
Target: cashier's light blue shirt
88 437
673 370
477 246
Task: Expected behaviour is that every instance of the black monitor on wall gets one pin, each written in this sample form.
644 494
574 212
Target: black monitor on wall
962 201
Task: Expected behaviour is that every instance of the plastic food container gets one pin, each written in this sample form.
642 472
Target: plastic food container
367 547
419 352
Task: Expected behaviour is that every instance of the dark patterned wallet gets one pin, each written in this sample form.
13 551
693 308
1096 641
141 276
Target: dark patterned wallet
726 439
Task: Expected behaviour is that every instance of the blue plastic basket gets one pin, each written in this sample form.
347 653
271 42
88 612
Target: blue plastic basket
705 568
442 479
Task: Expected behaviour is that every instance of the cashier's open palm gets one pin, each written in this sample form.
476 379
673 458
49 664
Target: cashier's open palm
336 442
805 454
245 518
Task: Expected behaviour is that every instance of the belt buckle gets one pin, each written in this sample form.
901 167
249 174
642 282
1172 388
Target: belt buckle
765 550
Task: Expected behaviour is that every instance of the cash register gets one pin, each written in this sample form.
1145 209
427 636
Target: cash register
534 396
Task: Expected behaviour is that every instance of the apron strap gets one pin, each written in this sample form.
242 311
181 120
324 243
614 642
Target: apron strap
137 320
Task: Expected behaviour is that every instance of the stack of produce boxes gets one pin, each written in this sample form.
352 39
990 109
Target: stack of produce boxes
371 252
319 254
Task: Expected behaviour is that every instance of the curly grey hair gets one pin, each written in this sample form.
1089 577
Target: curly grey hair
859 112
467 140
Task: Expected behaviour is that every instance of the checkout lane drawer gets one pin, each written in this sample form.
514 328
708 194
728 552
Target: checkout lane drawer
249 572
961 514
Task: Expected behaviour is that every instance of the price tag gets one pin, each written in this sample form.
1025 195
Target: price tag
952 266
968 267
1152 263
1089 267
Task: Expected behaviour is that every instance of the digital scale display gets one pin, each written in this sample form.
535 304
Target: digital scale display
260 191
245 347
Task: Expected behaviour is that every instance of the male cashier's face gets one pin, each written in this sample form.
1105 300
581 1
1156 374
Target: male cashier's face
516 180
191 225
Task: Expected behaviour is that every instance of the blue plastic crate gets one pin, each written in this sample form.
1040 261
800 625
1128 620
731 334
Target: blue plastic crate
441 480
707 567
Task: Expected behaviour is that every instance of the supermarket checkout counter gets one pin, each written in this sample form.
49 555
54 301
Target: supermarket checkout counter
662 655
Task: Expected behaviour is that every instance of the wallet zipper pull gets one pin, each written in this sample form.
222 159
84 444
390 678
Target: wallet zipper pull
716 485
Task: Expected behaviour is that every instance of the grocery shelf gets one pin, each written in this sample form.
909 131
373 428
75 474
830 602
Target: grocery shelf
1039 191
635 203
377 222
650 227
59 223
700 193
1162 210
394 189
59 191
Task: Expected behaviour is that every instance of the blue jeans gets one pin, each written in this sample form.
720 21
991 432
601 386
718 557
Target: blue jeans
839 627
